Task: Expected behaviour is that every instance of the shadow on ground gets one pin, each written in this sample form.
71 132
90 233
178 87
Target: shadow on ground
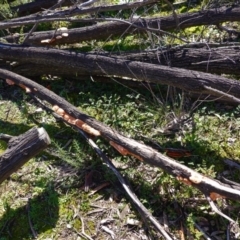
42 209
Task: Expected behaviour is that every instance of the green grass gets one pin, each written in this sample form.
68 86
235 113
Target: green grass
52 181
49 189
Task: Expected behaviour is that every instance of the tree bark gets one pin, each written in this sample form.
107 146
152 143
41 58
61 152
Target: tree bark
92 64
104 30
21 149
40 5
144 153
37 6
220 60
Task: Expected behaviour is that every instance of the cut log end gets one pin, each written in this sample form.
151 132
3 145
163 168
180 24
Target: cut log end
42 134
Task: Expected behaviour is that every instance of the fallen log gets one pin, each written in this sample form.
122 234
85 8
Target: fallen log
219 60
41 5
21 149
126 146
114 29
92 64
36 6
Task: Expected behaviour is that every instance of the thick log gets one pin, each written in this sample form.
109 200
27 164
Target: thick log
92 64
103 31
37 6
21 149
40 5
219 60
144 153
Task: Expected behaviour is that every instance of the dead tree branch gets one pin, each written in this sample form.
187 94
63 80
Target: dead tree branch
125 146
222 59
40 6
146 215
92 64
204 17
219 60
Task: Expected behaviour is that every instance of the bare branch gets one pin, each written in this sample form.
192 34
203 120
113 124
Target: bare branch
206 185
216 210
204 17
142 210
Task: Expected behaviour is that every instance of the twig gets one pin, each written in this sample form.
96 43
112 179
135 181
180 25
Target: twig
201 230
234 185
58 4
221 94
30 32
29 219
216 210
85 4
83 228
144 212
174 12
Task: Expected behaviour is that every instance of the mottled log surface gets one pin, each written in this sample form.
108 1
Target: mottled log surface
21 149
92 64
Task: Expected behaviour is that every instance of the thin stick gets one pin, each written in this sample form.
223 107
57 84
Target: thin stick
29 220
216 210
221 94
201 230
144 212
29 34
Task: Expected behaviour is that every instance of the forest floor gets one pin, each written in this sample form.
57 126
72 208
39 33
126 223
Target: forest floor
66 192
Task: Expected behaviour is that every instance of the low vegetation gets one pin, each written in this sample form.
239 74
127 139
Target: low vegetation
67 192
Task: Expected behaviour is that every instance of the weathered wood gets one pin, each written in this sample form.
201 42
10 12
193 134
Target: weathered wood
92 64
36 6
104 30
220 60
205 184
41 5
21 149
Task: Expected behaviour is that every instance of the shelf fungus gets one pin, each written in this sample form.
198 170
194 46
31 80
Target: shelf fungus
124 151
77 122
